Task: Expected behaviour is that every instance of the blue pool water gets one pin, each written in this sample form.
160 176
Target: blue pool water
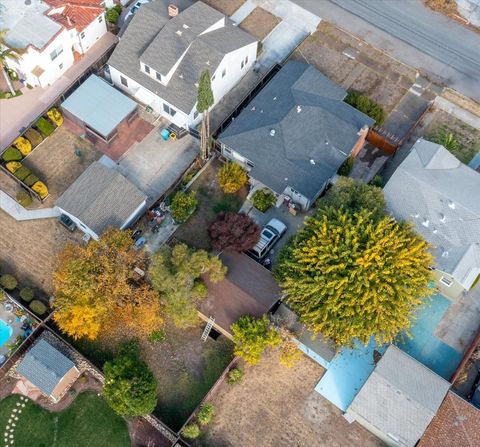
5 332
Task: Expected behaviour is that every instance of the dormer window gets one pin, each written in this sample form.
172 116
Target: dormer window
146 68
158 76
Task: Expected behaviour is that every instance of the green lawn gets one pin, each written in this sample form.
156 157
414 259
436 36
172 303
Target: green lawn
88 421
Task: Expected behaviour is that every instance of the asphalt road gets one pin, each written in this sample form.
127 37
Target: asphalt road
441 48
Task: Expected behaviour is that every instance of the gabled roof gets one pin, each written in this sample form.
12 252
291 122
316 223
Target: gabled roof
400 397
297 131
247 289
153 38
440 195
76 14
44 366
101 197
457 423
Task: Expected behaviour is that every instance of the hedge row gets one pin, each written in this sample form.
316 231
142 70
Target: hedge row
27 177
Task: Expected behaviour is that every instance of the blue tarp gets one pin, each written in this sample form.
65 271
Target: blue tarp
99 105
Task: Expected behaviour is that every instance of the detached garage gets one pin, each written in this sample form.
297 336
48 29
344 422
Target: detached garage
99 108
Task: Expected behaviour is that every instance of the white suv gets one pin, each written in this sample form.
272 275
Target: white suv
270 234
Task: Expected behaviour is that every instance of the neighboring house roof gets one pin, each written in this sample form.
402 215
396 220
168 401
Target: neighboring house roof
297 131
400 397
99 105
44 366
439 194
288 318
101 197
158 41
247 289
29 23
456 423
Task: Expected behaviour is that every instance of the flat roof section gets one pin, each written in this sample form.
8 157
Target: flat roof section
99 105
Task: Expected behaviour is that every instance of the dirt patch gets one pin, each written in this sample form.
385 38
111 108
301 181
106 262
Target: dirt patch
274 405
449 9
467 136
211 201
227 7
142 434
259 23
355 65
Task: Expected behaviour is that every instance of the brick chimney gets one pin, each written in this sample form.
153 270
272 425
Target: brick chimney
362 136
172 10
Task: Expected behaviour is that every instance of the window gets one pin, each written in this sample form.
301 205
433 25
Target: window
195 114
170 110
242 64
60 66
55 53
446 281
226 150
224 72
246 60
158 75
124 81
100 19
146 68
213 77
82 35
249 163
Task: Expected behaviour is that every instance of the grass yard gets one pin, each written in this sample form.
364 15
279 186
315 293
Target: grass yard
467 137
211 201
87 422
259 23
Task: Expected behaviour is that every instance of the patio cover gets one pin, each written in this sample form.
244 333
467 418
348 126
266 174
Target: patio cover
99 105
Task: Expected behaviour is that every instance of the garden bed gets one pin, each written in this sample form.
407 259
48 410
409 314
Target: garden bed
211 201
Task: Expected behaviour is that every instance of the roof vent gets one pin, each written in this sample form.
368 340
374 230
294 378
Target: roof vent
196 84
416 216
185 26
253 109
312 161
442 217
272 132
261 111
179 32
451 204
208 62
435 231
426 223
180 75
299 109
172 10
274 98
444 254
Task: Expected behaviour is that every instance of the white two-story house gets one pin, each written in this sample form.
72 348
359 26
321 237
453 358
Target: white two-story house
53 34
160 58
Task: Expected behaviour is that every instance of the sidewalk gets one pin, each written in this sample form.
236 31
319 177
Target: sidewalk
18 212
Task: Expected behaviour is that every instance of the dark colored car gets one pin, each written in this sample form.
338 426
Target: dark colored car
68 223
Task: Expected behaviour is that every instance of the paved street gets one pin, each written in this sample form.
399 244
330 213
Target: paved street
438 46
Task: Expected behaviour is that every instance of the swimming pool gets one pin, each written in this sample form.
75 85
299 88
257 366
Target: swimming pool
5 332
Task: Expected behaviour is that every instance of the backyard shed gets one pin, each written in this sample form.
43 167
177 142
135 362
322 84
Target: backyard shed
247 289
48 369
99 108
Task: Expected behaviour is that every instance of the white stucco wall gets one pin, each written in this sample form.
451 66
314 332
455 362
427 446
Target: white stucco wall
92 32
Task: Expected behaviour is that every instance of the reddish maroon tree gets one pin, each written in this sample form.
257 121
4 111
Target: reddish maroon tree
234 231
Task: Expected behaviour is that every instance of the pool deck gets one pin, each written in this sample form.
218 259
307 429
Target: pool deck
14 322
350 368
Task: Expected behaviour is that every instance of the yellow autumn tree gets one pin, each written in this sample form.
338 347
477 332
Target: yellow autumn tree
95 290
350 275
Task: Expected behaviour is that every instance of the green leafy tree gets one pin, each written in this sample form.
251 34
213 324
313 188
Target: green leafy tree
231 177
176 273
366 105
263 199
252 336
349 275
183 205
6 53
354 196
130 387
205 100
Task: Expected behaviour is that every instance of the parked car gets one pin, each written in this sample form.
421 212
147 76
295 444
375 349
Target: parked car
270 234
68 223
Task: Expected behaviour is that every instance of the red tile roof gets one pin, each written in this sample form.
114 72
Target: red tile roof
76 14
456 424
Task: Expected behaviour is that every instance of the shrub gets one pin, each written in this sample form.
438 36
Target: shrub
12 74
377 181
41 189
346 167
366 105
27 294
13 166
263 199
191 431
118 7
234 376
31 180
183 205
112 15
231 177
55 117
23 145
233 231
8 282
44 126
22 173
24 198
157 337
206 414
11 154
34 137
37 307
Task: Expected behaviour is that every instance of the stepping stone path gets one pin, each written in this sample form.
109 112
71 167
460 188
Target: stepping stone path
10 428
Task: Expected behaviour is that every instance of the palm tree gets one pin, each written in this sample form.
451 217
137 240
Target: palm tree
7 53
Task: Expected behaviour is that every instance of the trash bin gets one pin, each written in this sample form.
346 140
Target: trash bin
165 134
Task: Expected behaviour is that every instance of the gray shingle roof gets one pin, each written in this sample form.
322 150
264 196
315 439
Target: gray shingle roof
440 195
44 366
101 197
311 122
151 37
400 397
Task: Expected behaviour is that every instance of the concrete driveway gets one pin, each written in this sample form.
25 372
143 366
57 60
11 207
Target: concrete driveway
154 165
